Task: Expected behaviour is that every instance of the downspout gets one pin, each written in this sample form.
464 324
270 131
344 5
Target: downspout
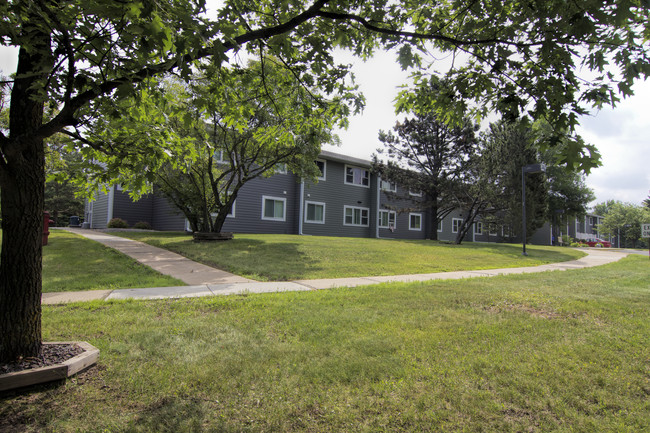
377 210
111 197
301 206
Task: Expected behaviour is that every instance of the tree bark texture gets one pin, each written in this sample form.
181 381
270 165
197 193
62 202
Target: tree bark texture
22 180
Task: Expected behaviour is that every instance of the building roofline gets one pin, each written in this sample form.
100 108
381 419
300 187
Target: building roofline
332 156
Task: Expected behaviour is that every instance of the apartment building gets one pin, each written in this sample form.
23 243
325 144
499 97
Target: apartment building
347 200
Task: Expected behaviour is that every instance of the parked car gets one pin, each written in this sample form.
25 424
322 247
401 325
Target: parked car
597 242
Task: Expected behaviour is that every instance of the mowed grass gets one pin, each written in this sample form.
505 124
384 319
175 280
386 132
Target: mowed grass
559 351
73 263
290 257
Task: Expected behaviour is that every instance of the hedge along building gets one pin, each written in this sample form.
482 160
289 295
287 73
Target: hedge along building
346 200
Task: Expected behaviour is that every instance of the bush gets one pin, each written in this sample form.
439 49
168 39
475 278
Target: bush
142 225
118 223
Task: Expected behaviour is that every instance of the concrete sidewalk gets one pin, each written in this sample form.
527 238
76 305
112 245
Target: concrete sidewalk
162 260
210 281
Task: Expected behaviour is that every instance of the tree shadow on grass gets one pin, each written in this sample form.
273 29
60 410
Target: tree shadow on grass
258 259
170 414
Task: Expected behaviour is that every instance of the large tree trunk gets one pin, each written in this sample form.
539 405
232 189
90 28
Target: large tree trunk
20 261
22 180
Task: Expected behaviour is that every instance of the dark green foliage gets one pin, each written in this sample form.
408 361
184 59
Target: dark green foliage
142 225
426 155
117 223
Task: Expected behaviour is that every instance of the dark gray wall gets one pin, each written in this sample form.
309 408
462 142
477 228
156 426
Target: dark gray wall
248 206
337 194
132 211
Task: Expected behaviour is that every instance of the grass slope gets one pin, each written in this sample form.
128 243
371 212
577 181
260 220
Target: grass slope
560 351
73 263
289 257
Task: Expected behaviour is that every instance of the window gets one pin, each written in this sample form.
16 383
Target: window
322 165
280 168
439 225
387 219
415 194
218 156
231 214
355 216
415 221
479 228
273 208
314 212
455 224
357 176
388 186
493 229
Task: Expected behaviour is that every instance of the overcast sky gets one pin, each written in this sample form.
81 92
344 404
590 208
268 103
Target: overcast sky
622 135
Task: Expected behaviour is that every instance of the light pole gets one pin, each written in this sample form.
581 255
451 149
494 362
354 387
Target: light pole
530 168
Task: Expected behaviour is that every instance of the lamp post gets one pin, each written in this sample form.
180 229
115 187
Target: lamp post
532 169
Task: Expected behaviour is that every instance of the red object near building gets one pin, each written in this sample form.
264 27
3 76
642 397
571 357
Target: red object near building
598 243
46 227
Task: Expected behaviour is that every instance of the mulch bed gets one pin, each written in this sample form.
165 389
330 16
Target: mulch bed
51 354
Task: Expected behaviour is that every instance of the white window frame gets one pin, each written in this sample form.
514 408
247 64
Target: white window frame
415 194
324 169
232 210
391 213
439 226
361 209
388 186
415 229
454 227
492 230
284 208
315 203
345 176
478 228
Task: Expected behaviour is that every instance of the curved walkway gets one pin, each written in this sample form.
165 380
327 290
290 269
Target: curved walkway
206 281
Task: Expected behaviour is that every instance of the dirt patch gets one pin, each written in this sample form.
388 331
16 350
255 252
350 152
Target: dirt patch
536 312
51 354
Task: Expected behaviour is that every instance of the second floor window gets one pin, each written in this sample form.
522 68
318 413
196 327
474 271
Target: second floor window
357 176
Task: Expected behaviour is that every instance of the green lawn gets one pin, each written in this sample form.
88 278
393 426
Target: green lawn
289 257
72 263
557 351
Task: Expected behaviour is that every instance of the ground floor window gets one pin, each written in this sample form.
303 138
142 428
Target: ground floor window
274 208
387 219
355 216
415 221
314 212
455 224
439 225
479 228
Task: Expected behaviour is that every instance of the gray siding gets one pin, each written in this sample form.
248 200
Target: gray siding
248 206
132 211
404 205
99 217
337 194
166 216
